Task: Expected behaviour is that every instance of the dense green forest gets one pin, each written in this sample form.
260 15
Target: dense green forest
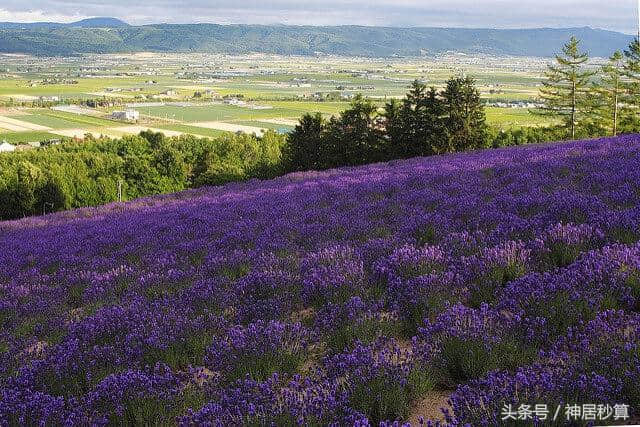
91 173
60 40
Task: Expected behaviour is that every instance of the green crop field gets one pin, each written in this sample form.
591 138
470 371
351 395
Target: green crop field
23 137
48 121
510 117
193 130
30 86
219 112
264 125
80 120
302 107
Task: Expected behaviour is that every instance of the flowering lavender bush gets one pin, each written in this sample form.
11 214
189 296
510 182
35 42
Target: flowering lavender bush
464 343
351 296
380 380
259 350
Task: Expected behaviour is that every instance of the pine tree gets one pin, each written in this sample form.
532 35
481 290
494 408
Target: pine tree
306 148
354 138
608 94
632 68
565 89
632 84
464 117
415 126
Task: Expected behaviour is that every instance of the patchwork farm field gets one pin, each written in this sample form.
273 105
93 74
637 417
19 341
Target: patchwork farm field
221 112
444 288
514 117
27 125
26 136
288 86
205 121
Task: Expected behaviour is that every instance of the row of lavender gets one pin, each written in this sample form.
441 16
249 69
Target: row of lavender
501 278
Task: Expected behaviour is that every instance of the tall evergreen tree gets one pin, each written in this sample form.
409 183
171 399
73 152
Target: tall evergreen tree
631 122
608 94
306 146
354 137
394 129
632 68
464 116
565 88
415 126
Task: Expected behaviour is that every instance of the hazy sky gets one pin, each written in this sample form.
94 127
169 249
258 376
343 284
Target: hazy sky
617 15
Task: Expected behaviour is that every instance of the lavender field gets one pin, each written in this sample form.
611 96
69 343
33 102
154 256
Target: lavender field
471 282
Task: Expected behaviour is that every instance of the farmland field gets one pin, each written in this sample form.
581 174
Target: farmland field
387 292
177 90
53 122
265 125
193 130
227 112
28 136
513 117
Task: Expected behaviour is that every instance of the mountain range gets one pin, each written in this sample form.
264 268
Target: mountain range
111 35
99 22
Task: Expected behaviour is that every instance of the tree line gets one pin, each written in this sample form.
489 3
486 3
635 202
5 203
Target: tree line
90 173
581 101
593 102
426 122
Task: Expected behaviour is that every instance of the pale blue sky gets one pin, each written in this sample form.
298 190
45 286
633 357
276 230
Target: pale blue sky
617 15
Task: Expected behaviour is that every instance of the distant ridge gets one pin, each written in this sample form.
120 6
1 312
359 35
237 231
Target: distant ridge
100 22
111 35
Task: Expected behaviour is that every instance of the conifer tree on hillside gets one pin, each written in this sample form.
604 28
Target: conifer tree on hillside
353 137
608 95
632 85
414 126
307 147
566 86
464 116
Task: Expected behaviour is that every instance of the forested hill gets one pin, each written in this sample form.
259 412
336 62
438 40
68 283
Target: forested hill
69 39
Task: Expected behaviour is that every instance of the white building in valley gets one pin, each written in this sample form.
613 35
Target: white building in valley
127 115
5 147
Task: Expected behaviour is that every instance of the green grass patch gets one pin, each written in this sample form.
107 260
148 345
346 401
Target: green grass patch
80 120
193 130
462 360
263 125
152 411
24 137
511 117
381 398
48 121
263 366
182 353
364 330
